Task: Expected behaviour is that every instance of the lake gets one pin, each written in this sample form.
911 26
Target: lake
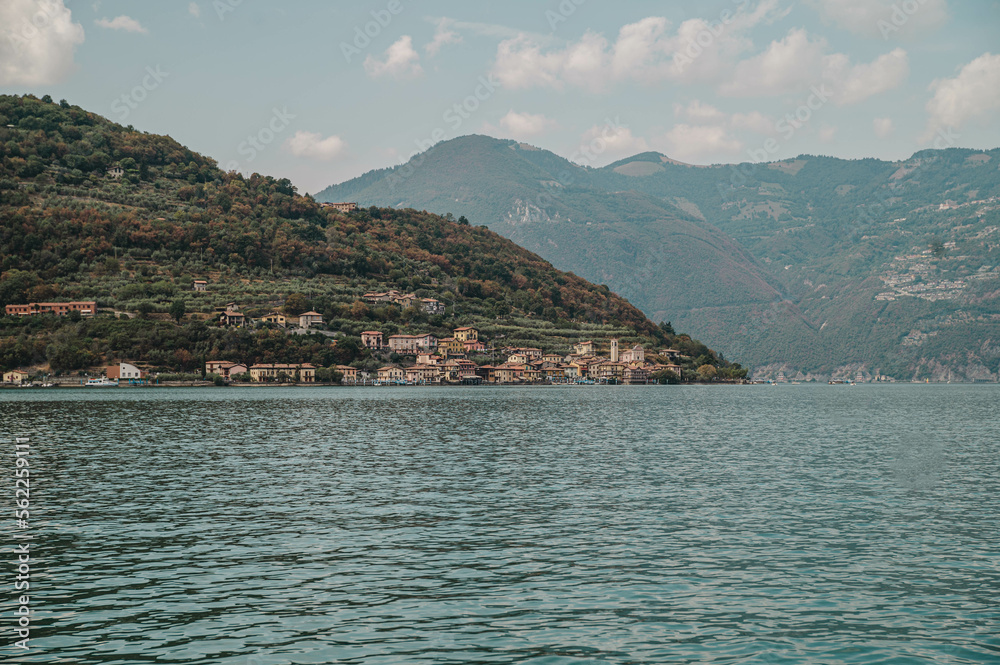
548 525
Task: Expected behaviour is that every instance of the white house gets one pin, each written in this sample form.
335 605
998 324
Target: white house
125 371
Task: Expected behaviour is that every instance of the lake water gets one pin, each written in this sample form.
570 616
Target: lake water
647 524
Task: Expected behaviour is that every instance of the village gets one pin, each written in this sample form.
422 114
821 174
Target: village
433 361
419 359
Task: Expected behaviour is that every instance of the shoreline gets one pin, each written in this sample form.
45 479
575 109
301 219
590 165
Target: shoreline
209 384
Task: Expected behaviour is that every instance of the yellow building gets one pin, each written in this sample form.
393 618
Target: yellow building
350 374
452 346
275 317
304 373
466 335
391 373
15 376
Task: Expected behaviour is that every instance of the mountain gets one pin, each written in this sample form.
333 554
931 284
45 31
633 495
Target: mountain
91 210
815 265
653 252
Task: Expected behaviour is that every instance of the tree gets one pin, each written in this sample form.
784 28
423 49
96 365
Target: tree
145 308
667 327
295 304
177 310
665 377
463 220
359 310
707 372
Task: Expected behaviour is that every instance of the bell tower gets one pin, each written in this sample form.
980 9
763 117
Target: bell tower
614 350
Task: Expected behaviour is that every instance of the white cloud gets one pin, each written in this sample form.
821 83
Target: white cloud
857 83
827 133
401 61
314 146
443 35
494 30
646 51
605 144
525 125
973 94
883 127
700 142
786 65
126 23
699 111
755 121
883 18
194 10
37 40
707 134
796 63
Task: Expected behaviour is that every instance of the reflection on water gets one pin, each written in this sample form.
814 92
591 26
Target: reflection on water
495 525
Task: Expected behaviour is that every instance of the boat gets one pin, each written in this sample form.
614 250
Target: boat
101 383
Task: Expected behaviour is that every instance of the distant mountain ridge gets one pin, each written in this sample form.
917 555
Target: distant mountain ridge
795 265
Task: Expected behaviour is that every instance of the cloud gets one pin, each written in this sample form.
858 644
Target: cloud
314 146
706 114
827 133
647 51
126 23
796 63
494 30
972 95
443 35
883 127
755 121
194 10
700 142
608 143
699 111
401 61
883 18
786 65
37 40
706 134
525 125
520 63
857 83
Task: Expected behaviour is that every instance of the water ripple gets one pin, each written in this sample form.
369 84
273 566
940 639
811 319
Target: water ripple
546 526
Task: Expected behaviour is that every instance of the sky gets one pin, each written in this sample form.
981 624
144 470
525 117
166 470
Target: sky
320 92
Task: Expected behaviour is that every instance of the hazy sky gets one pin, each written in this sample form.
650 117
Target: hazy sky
322 91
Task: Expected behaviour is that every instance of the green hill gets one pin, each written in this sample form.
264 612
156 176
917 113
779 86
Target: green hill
71 229
817 264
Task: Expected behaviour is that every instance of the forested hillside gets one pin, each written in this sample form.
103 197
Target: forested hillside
815 265
73 229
